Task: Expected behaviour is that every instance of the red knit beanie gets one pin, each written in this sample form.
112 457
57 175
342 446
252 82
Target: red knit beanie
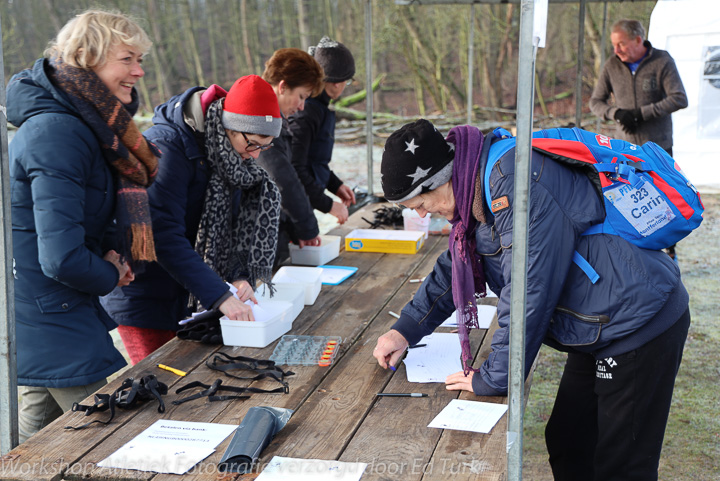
251 106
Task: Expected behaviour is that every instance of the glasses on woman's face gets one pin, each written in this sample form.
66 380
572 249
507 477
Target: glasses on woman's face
252 146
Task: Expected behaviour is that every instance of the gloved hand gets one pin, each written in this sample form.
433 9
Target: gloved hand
628 119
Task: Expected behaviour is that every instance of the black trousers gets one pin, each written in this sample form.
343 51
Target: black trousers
609 417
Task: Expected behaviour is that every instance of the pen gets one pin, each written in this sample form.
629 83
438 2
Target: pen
417 345
403 394
395 315
172 369
415 281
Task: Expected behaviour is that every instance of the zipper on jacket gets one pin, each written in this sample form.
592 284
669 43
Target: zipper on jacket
600 319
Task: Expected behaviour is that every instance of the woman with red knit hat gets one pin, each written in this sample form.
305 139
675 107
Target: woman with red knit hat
215 212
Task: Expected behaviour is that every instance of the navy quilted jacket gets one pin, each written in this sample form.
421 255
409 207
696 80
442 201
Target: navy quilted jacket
638 297
63 198
158 297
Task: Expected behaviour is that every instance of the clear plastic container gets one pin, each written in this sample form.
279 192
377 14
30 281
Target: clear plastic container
306 350
328 250
412 221
308 277
258 333
292 293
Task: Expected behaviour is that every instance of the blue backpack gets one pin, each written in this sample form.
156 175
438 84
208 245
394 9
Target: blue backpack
648 200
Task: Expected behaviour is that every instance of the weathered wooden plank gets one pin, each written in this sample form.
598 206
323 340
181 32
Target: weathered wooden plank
325 423
394 438
472 456
301 384
181 359
53 450
335 322
345 310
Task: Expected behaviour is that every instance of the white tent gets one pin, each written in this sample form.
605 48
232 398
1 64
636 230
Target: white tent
690 31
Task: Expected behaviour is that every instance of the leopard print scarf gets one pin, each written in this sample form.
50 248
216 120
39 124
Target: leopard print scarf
242 247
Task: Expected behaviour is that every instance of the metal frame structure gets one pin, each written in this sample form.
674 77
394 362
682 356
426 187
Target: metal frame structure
8 368
8 355
524 122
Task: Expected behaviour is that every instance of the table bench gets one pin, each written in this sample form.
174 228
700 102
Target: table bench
336 413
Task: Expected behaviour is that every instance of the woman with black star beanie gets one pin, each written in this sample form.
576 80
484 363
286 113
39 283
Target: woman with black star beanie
624 334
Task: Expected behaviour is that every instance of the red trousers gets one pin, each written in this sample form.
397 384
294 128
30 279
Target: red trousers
139 342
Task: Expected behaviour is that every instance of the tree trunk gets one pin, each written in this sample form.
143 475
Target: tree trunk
53 15
191 44
594 37
246 42
302 24
160 54
212 30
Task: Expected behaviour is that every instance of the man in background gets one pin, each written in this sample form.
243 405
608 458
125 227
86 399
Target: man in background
646 86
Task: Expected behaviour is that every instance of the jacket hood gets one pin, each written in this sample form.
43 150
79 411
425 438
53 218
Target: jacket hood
168 117
171 112
31 92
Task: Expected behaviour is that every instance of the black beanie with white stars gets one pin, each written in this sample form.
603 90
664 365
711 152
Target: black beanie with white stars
416 159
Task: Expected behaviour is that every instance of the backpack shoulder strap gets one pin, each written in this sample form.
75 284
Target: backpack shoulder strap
497 150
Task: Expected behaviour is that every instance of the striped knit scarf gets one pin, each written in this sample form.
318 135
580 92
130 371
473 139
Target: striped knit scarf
242 246
128 153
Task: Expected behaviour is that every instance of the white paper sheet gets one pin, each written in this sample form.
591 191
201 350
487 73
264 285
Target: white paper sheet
169 447
473 416
485 317
295 469
435 361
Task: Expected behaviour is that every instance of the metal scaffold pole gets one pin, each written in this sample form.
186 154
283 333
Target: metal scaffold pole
471 47
525 103
369 96
580 63
8 366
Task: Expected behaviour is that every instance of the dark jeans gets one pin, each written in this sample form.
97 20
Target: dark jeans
609 416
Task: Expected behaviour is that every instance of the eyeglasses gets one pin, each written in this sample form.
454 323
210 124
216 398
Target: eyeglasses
349 81
252 146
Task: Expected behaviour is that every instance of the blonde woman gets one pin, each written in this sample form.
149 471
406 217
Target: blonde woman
77 162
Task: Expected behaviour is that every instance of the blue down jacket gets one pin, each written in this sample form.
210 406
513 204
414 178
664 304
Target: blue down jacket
63 198
158 297
638 297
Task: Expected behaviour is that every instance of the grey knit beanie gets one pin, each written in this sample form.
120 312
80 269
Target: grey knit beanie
335 59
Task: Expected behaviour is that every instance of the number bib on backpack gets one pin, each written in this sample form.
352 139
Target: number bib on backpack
645 209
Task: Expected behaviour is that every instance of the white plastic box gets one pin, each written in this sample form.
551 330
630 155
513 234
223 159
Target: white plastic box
292 293
328 250
258 333
309 277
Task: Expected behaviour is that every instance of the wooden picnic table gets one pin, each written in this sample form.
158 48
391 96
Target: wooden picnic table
337 415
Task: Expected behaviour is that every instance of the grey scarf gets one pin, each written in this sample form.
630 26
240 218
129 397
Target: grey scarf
242 247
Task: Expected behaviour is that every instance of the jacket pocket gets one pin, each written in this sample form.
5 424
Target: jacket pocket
571 328
62 299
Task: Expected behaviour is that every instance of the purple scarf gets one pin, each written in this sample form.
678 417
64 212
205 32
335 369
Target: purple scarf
468 277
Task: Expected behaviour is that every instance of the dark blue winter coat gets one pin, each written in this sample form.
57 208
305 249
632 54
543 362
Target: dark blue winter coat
158 297
638 297
313 138
63 198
